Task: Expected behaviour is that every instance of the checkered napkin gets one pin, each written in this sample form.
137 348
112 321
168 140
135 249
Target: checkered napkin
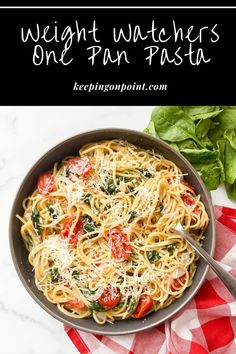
205 325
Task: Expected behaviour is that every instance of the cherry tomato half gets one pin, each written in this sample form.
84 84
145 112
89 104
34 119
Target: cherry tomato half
144 305
75 304
120 247
79 166
188 185
109 298
46 183
76 232
190 201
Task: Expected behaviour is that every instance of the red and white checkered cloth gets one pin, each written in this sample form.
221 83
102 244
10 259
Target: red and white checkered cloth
207 324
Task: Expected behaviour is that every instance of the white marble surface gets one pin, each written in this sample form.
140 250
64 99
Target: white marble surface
25 134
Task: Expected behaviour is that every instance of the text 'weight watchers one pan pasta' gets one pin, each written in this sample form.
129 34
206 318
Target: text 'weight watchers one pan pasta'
99 231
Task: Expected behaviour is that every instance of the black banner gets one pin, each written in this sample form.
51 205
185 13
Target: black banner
117 56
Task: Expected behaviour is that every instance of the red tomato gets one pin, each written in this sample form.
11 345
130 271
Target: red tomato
46 183
109 298
77 230
176 282
144 305
75 304
188 185
79 166
189 200
120 247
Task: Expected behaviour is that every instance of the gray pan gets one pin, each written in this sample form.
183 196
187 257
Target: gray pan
71 147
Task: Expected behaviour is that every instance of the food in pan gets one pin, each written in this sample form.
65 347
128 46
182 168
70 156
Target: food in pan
99 231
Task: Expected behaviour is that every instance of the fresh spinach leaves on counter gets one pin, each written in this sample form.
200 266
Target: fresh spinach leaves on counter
205 135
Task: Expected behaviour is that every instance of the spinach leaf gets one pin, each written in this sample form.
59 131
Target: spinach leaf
95 306
52 212
86 198
202 128
230 135
205 135
54 274
75 275
151 129
230 163
228 107
187 144
208 164
201 112
131 305
226 120
201 155
88 224
109 186
153 256
161 207
231 190
123 179
35 218
133 214
170 248
173 124
145 172
211 174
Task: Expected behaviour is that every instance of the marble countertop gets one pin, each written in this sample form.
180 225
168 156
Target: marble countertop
25 134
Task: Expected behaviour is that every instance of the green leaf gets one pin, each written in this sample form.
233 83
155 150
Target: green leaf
172 124
75 275
109 186
131 305
226 120
86 198
150 129
228 107
161 207
153 256
88 224
145 172
230 135
35 218
95 306
221 148
187 144
54 274
133 214
230 163
170 248
208 164
211 174
52 212
202 112
202 128
201 155
231 190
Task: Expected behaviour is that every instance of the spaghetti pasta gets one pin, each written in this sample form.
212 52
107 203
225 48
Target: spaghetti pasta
99 229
